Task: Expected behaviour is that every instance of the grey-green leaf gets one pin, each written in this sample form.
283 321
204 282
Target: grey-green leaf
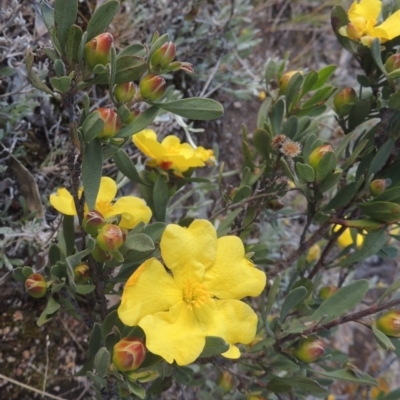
126 166
65 12
214 346
102 361
292 300
91 172
140 123
101 18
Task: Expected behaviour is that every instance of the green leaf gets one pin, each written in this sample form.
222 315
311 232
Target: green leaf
263 112
241 194
319 97
276 116
139 242
343 144
160 198
134 49
48 16
102 361
305 171
342 197
55 254
376 53
225 226
183 375
157 44
214 346
293 91
140 123
135 389
51 308
381 211
129 68
112 320
195 108
126 166
18 275
91 172
272 294
65 12
292 300
262 142
309 81
382 339
326 166
101 18
324 75
394 286
380 158
346 298
69 234
74 39
358 113
290 127
95 341
85 289
92 126
348 375
33 78
27 271
392 195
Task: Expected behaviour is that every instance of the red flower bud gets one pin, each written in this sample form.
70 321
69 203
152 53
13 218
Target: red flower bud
152 87
93 222
309 349
392 63
110 238
97 50
82 272
327 291
164 55
129 353
346 96
100 255
124 92
389 323
112 123
36 286
316 155
377 187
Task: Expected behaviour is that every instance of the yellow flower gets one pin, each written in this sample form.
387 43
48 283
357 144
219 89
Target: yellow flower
170 153
197 296
363 17
132 209
345 239
314 253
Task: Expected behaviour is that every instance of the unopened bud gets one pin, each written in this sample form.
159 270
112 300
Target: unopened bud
93 222
110 238
112 123
134 113
389 323
124 92
82 272
377 187
318 153
285 79
225 381
152 87
97 50
275 204
345 97
100 255
314 253
327 291
128 354
392 63
164 55
180 65
36 285
309 349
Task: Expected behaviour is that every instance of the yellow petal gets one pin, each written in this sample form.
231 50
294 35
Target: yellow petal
388 29
189 251
63 202
149 290
346 239
233 352
367 9
146 142
171 143
107 190
175 335
232 276
132 209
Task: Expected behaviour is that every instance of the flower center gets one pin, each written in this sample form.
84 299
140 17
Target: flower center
195 294
103 207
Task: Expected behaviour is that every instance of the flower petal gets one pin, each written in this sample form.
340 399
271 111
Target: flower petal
107 190
132 209
175 335
189 251
149 290
63 202
232 276
367 9
146 142
388 29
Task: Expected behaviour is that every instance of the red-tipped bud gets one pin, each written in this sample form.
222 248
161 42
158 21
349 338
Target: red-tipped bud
124 92
285 79
389 323
152 87
97 50
345 97
82 272
164 55
93 222
377 187
327 291
110 238
100 255
225 381
392 63
36 286
135 112
316 155
309 349
112 123
129 353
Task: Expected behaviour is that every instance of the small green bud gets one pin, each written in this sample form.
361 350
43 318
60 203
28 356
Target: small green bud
152 87
97 50
93 222
377 187
285 79
112 123
110 238
100 255
36 285
327 291
82 272
346 96
309 349
389 323
134 113
164 55
275 204
316 155
393 63
124 92
129 353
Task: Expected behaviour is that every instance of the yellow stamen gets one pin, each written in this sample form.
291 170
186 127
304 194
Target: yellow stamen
195 294
103 207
